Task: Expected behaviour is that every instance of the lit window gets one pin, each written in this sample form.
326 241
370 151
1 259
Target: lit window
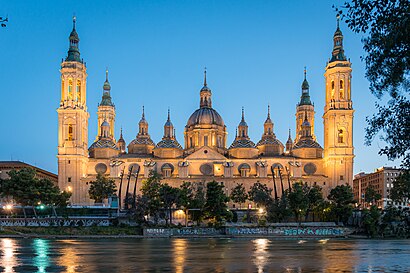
70 89
340 136
341 89
70 132
333 90
78 90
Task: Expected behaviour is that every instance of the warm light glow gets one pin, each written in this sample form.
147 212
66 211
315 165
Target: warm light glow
8 207
260 253
69 189
8 259
261 210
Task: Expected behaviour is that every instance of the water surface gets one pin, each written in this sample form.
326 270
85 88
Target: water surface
203 255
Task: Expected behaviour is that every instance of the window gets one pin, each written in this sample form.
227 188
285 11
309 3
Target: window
340 136
167 173
70 132
333 90
244 172
341 178
78 90
69 179
70 89
69 161
341 89
324 183
205 140
191 143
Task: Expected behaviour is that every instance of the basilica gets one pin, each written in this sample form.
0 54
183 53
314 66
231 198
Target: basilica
203 155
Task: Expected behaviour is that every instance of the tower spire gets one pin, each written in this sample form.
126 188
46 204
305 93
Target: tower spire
243 115
73 51
268 111
205 84
338 51
143 112
106 74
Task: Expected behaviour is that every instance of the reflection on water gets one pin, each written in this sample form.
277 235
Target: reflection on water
179 246
69 258
41 260
260 254
203 255
8 260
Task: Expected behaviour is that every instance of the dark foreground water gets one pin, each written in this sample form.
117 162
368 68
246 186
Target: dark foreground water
203 255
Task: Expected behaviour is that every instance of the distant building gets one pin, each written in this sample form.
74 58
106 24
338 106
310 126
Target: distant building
6 166
381 180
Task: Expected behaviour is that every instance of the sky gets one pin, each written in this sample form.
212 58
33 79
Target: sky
156 51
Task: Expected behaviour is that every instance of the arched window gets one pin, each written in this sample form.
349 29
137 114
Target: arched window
62 88
205 140
78 90
341 89
191 143
70 132
70 89
340 135
333 90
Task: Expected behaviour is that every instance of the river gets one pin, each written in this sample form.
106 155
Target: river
203 255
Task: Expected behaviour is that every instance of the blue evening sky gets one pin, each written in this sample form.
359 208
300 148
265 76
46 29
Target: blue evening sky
255 52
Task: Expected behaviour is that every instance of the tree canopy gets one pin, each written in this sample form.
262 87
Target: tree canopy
101 188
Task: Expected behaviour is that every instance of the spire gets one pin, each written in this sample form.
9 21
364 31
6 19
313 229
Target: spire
168 127
106 97
268 120
289 143
305 98
205 94
143 116
243 122
205 84
121 134
338 51
73 51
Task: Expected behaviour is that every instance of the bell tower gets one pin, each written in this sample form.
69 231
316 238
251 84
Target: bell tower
338 115
73 122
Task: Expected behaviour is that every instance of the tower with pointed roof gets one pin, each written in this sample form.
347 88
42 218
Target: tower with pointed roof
269 145
205 127
338 115
142 144
106 108
73 122
243 146
305 105
169 146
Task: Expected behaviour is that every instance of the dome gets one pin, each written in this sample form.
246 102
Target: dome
107 85
142 141
269 141
307 143
242 143
104 143
168 143
205 115
105 123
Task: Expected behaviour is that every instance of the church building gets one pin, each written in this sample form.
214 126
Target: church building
204 154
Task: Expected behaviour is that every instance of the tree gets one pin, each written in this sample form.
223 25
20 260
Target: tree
150 189
342 199
371 195
401 187
298 200
169 197
260 194
315 200
371 220
27 190
239 195
278 211
101 188
386 27
215 205
198 204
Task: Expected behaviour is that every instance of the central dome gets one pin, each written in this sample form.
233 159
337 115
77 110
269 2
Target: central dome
205 116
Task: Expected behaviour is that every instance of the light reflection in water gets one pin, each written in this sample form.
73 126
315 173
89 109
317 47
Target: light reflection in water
8 259
70 259
41 260
260 253
180 246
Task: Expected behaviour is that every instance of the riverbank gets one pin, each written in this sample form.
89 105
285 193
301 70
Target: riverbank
288 232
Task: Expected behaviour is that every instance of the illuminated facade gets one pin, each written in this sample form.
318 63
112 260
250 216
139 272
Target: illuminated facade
205 155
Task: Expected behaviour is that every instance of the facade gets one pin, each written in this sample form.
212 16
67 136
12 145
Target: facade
205 154
6 166
381 180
